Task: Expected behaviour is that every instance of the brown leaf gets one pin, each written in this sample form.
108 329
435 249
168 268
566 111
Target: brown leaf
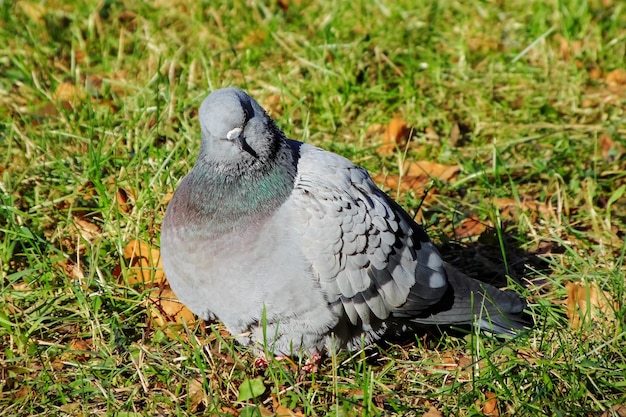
595 73
274 105
587 304
396 133
569 48
72 270
281 411
510 208
431 169
67 91
490 406
616 81
611 150
23 392
618 410
196 394
470 227
284 4
455 134
404 183
432 412
85 348
87 229
616 77
145 263
165 310
124 199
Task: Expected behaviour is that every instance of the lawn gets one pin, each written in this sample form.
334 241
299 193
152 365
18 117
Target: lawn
501 125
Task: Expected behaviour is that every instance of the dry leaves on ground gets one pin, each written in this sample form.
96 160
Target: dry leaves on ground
396 134
432 412
416 176
146 269
587 304
489 407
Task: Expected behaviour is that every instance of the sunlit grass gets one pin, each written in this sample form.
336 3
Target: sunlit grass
98 124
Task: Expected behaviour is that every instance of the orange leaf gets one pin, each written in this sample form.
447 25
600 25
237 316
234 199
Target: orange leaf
616 77
587 304
490 406
432 412
87 229
396 133
145 263
470 227
166 310
66 91
431 169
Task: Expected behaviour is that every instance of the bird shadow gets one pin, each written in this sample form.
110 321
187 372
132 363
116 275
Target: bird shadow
494 259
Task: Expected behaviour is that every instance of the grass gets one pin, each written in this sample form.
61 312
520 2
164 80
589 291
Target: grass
98 124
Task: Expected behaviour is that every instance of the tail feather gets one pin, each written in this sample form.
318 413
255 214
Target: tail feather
469 301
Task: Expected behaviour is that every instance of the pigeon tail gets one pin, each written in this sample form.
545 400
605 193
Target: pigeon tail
469 301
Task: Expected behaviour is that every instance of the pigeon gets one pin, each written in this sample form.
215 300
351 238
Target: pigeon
296 250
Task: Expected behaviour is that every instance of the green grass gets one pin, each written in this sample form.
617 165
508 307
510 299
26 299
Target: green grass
528 84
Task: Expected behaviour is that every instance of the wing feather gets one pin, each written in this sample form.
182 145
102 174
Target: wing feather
366 253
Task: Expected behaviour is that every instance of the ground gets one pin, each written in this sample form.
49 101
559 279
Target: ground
500 125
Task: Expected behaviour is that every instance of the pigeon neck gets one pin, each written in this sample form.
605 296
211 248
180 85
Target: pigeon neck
236 196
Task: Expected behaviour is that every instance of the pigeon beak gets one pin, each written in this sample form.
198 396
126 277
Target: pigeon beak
236 136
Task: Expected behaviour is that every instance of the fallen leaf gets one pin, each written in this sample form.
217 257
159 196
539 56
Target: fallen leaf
124 199
79 350
284 4
611 150
253 38
567 48
72 270
23 392
510 208
128 19
490 406
274 105
145 263
595 73
165 310
431 169
396 133
470 227
281 411
196 394
87 229
432 412
67 91
455 135
616 77
618 410
587 304
431 133
417 176
616 81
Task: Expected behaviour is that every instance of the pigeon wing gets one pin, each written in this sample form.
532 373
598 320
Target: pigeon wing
370 258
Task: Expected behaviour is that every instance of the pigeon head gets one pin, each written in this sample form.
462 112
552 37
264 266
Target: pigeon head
236 130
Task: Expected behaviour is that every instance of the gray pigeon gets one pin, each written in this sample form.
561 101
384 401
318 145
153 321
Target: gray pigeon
296 250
